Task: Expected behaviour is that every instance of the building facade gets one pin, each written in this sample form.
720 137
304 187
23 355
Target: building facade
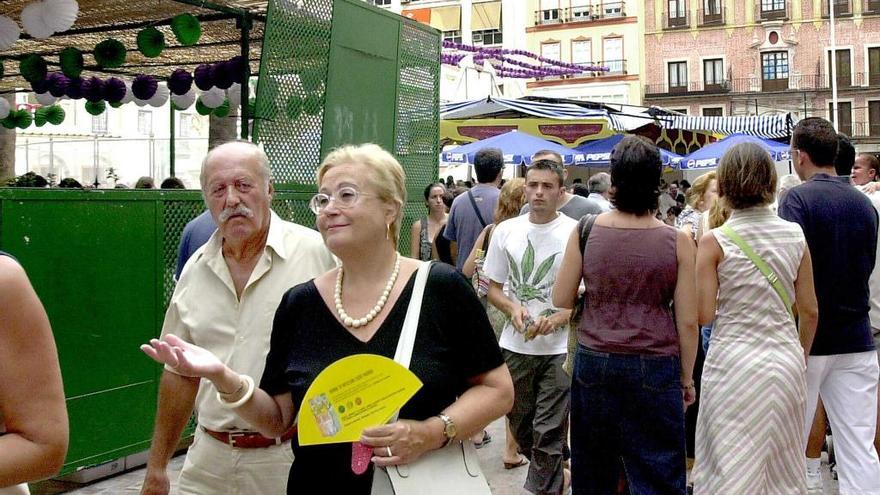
589 33
484 23
726 57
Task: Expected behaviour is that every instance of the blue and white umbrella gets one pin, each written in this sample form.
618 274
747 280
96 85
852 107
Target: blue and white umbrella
708 156
517 148
597 153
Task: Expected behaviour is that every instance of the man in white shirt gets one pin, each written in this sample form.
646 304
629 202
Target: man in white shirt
225 301
600 190
526 252
569 204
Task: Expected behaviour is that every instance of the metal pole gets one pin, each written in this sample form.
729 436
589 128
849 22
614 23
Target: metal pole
245 22
95 146
51 156
833 65
171 140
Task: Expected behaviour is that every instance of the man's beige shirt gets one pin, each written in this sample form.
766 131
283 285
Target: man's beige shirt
205 310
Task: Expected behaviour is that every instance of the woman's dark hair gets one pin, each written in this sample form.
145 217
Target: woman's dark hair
635 175
432 186
70 182
172 183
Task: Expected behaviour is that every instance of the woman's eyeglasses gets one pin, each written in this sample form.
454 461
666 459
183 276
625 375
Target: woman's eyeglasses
345 197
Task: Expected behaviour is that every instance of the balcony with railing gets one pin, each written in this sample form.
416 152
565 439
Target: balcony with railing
676 20
713 17
692 88
772 13
582 13
548 16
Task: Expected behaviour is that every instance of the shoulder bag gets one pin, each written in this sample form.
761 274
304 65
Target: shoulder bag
762 266
584 226
453 469
480 281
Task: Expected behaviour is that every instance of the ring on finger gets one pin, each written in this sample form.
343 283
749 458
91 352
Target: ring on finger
388 449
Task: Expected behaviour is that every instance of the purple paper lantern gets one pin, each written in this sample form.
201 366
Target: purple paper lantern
204 77
58 83
223 76
74 88
40 85
180 82
114 90
93 89
143 87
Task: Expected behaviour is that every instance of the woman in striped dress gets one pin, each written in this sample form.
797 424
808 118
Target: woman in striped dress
751 420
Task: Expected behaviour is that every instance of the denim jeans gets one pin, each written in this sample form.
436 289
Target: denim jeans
629 408
705 335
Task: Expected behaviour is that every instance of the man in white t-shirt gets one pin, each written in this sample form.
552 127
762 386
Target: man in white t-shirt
526 252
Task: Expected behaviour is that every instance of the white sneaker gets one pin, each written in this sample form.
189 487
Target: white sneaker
814 481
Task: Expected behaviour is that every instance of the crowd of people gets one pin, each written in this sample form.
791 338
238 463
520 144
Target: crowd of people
577 313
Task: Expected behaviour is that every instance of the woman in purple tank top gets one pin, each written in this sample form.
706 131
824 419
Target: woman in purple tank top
633 367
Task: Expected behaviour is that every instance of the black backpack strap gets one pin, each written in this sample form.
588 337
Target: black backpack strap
585 225
476 209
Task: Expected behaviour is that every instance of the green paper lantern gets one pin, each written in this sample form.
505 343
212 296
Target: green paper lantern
96 107
110 53
252 107
202 109
71 61
186 29
223 109
33 68
151 42
40 117
116 104
54 114
312 104
294 107
23 119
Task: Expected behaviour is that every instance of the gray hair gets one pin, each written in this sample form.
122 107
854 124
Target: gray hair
600 183
263 170
787 182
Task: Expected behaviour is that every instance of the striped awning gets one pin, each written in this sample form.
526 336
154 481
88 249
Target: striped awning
766 126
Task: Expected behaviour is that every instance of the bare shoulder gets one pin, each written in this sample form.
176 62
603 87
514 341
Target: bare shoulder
12 277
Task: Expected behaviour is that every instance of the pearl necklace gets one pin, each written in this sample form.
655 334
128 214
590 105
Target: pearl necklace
355 323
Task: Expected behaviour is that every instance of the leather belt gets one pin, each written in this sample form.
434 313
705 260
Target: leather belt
249 439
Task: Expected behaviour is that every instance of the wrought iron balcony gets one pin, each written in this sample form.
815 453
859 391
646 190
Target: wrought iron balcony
676 20
713 17
691 88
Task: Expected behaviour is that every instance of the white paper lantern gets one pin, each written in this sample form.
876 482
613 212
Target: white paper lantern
9 32
234 94
139 102
186 100
46 98
129 97
59 15
161 96
32 18
4 108
214 97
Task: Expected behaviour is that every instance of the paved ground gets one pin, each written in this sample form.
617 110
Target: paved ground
503 482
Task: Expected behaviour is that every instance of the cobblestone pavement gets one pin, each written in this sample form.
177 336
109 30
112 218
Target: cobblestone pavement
503 481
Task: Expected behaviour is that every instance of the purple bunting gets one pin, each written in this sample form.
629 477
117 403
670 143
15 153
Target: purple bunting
40 85
236 68
223 76
180 82
204 77
74 88
58 83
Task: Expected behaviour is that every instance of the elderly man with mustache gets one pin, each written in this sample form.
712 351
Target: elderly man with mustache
225 301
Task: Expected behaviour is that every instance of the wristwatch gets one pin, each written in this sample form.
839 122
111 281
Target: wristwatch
449 429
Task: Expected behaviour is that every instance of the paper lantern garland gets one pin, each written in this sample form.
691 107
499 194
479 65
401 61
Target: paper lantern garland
58 83
223 77
223 110
114 90
9 32
213 98
184 101
151 42
55 115
161 96
40 85
17 118
234 94
180 82
201 109
75 88
71 61
93 89
33 20
129 96
203 76
143 87
45 99
110 53
186 29
33 68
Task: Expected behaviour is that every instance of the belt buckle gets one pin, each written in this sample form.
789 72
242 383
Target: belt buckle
235 434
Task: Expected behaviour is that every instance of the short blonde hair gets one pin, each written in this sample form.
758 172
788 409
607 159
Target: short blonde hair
382 171
510 200
699 187
746 176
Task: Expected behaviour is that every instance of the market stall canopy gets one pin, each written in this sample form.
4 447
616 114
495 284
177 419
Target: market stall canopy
122 20
597 153
517 148
708 156
765 126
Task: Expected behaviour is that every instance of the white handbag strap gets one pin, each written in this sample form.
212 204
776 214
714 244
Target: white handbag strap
403 355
